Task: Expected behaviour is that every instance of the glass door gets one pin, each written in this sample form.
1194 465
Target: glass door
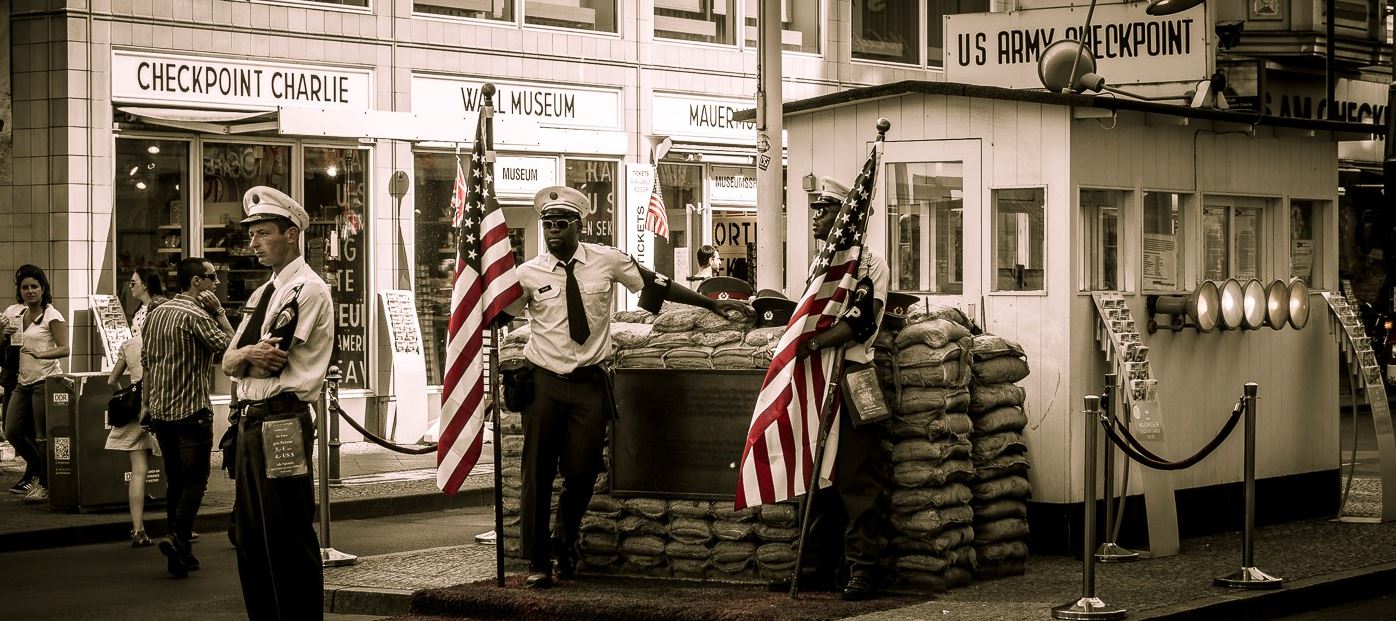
932 232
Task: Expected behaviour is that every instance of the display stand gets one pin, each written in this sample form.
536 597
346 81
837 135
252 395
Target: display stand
407 416
111 324
1362 366
1125 353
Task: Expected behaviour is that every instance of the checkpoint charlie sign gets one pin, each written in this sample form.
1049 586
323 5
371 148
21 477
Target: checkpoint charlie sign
1130 46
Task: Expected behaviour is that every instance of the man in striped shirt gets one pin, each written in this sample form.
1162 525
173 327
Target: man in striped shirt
181 339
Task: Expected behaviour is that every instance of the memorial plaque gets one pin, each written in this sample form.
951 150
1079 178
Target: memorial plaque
681 432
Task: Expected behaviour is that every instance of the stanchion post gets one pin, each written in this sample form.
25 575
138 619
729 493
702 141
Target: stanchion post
332 414
1109 552
329 557
1249 576
1089 606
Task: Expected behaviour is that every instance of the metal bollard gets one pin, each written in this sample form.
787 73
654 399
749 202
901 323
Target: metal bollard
1089 606
332 413
1109 551
1249 576
329 557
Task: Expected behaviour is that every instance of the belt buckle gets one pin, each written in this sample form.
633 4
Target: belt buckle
566 377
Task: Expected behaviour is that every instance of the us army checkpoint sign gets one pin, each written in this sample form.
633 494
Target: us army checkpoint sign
1130 46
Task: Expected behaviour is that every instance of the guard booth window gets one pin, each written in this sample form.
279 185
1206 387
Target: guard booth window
1019 236
1232 238
1162 251
1306 241
1100 225
925 226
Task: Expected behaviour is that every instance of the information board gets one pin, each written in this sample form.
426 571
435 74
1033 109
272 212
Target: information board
407 413
111 324
681 432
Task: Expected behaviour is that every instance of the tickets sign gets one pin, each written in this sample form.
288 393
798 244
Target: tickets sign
1130 46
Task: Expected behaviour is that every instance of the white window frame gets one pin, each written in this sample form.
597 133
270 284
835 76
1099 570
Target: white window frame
1189 225
992 229
1265 227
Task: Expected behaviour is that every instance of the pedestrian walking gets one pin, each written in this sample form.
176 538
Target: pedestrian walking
568 296
279 358
147 287
40 334
846 538
134 440
180 340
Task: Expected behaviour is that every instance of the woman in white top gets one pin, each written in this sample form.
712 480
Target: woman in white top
42 336
138 443
146 287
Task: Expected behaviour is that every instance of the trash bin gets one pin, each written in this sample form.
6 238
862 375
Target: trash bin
83 475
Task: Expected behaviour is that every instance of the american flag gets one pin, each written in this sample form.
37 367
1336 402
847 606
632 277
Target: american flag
655 218
484 284
780 445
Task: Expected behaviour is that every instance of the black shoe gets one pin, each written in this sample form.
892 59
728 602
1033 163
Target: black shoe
174 555
812 582
538 580
22 486
189 560
859 588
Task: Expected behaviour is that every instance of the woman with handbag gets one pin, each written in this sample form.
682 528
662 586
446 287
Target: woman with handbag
131 437
41 334
146 287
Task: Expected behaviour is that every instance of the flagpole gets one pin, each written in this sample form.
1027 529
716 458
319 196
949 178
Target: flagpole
487 117
825 426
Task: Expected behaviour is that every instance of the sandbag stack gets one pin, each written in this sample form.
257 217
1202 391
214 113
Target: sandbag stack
1000 455
925 373
683 337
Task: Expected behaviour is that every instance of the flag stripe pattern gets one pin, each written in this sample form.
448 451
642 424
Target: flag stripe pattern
778 457
656 219
483 286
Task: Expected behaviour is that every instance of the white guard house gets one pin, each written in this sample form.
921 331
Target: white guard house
1022 207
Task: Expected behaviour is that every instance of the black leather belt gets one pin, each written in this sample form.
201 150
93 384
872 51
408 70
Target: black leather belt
276 404
589 373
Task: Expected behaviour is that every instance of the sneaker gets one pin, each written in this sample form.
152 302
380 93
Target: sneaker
21 487
139 539
38 494
169 546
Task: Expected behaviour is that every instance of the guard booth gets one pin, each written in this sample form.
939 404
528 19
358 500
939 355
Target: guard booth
1018 207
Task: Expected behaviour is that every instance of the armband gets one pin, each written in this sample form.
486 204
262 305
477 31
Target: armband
655 289
859 315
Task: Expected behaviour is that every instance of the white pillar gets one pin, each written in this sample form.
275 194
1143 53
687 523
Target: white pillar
769 142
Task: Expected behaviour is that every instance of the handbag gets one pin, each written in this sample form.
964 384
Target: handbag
863 395
124 406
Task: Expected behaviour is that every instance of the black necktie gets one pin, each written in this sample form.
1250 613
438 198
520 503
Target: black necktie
253 330
576 312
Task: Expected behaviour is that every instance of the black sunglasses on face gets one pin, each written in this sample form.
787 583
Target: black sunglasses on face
211 276
557 223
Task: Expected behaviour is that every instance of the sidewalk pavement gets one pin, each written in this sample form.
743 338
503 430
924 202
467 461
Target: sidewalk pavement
376 482
1323 562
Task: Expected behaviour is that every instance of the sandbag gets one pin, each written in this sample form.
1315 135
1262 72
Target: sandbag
932 521
930 312
733 356
510 352
986 346
1001 370
950 374
934 332
598 542
633 316
948 538
689 568
630 335
637 525
926 449
728 552
1003 569
689 357
733 531
713 339
681 319
1002 418
1007 529
691 508
763 336
709 321
778 514
776 556
690 530
984 397
1006 487
925 473
921 562
993 445
963 556
1002 466
1002 551
652 508
675 549
910 500
642 546
921 354
923 399
724 511
602 505
642 358
1000 509
768 532
667 340
516 338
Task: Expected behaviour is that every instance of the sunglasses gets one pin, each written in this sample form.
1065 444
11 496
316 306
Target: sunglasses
211 276
559 224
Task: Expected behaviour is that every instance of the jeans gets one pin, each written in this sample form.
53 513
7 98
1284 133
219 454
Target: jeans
187 444
24 426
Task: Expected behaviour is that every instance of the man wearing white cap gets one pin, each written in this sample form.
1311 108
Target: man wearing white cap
568 295
279 358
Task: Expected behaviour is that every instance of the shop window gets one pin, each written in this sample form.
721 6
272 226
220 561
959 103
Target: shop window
799 25
598 15
595 179
682 188
887 31
1100 219
706 21
363 4
495 10
230 170
925 226
151 211
1306 241
336 247
936 10
1162 252
1019 236
435 253
1232 238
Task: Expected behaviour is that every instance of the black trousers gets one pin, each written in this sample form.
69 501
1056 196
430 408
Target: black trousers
273 523
853 511
564 431
187 445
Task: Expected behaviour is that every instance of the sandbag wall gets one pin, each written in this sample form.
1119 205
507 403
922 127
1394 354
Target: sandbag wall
928 377
1000 456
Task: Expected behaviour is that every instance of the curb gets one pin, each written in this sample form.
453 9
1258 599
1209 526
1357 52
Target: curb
367 601
218 521
1294 597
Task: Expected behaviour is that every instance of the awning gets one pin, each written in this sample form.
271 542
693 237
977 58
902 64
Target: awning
205 121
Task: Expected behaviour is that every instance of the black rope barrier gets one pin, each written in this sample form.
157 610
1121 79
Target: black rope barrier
1120 435
397 448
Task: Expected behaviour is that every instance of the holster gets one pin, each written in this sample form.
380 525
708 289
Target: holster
516 377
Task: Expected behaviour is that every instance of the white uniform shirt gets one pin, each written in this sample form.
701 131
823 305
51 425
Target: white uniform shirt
304 372
875 267
544 283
